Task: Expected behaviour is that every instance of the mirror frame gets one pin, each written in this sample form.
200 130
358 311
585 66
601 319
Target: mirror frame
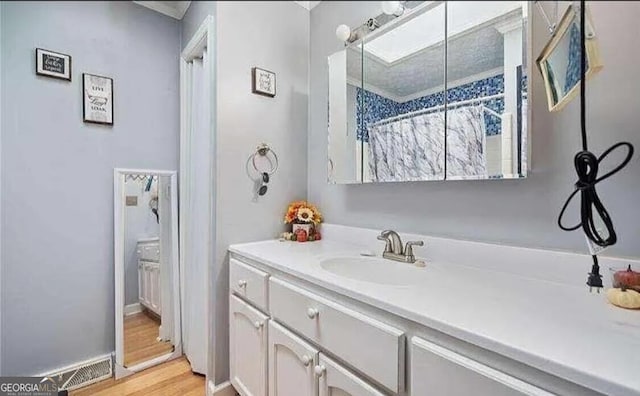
593 55
118 238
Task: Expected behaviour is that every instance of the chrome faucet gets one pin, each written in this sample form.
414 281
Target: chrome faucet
393 247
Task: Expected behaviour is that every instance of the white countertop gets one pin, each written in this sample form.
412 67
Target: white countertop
558 328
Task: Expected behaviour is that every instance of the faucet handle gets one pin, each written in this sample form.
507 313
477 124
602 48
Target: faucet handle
408 248
385 238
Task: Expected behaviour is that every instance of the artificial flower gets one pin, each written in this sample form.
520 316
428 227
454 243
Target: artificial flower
302 212
305 215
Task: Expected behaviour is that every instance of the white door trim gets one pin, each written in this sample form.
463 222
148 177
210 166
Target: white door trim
118 238
202 40
224 389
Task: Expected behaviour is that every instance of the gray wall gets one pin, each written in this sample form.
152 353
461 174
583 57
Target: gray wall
194 16
57 172
517 212
275 36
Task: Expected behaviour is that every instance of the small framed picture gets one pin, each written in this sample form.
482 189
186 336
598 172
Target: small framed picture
263 82
53 64
98 99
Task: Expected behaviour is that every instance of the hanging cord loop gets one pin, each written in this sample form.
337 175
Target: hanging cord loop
587 164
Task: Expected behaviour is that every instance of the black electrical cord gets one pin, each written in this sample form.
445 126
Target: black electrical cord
587 164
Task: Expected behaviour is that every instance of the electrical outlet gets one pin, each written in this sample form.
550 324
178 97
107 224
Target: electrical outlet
131 200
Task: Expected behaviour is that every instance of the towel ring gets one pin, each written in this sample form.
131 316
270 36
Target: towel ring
264 150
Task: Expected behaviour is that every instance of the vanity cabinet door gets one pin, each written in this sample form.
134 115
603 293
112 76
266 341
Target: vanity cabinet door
147 284
291 364
159 290
154 287
439 371
247 348
335 380
141 283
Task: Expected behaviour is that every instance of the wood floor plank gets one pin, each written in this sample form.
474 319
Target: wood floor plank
145 380
141 331
172 378
178 385
116 387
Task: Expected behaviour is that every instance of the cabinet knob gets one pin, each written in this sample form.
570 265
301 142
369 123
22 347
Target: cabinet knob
306 360
312 313
258 325
242 283
319 370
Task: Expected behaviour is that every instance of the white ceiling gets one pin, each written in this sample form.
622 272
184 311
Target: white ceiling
177 9
174 9
307 4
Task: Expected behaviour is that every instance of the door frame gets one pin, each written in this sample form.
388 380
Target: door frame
118 239
203 39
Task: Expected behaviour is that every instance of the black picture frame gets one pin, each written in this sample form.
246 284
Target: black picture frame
256 88
85 96
48 61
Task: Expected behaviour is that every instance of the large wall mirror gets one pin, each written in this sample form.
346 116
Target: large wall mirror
438 93
147 287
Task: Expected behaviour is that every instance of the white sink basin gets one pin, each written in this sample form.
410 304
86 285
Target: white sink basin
374 270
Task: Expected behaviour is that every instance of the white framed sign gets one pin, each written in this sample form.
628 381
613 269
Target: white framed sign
53 64
263 82
98 99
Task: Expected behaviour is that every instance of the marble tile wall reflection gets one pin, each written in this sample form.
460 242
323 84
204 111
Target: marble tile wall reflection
413 149
371 107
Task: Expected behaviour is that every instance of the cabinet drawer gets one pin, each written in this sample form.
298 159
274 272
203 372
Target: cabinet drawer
248 282
439 371
375 348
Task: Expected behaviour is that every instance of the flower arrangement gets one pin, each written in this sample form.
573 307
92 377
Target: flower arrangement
304 218
302 212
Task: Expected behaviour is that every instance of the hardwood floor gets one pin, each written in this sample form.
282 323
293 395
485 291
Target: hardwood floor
140 334
172 378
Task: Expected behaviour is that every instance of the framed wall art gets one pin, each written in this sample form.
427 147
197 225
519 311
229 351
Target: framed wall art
97 99
53 64
263 82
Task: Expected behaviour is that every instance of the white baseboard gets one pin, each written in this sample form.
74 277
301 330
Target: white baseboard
224 389
132 309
